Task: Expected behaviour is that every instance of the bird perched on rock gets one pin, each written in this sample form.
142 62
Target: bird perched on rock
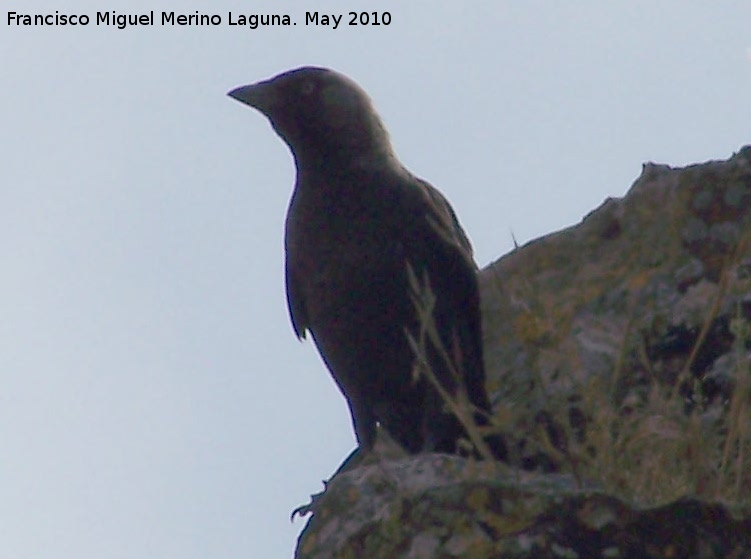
356 220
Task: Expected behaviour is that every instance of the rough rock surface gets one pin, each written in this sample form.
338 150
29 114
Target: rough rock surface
617 354
439 506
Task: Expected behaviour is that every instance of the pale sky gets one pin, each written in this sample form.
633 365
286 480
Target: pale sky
155 402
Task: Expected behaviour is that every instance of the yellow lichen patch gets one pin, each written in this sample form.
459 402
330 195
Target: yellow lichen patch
353 494
504 525
637 281
529 328
478 498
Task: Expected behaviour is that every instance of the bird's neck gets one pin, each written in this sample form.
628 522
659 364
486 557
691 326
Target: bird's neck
342 161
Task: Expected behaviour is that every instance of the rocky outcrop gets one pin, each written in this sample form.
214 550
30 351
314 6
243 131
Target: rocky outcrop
435 506
618 358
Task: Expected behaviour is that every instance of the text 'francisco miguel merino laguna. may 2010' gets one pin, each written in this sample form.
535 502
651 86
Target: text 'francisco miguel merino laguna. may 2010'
196 19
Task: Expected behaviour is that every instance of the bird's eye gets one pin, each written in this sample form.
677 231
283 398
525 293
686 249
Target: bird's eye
307 88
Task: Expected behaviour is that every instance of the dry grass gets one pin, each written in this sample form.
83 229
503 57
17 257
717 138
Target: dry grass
459 403
648 452
657 452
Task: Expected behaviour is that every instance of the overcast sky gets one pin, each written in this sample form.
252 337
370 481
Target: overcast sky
154 401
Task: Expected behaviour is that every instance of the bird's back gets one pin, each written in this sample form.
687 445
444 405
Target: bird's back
348 242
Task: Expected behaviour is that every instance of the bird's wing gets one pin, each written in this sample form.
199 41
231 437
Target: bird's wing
295 303
441 217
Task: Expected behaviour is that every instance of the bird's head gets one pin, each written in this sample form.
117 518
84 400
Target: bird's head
320 114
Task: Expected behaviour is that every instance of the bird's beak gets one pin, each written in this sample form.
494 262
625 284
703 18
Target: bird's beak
259 95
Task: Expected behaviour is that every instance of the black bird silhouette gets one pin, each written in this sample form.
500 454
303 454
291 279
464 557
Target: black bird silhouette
357 218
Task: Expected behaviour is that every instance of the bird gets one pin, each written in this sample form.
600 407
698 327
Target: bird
360 228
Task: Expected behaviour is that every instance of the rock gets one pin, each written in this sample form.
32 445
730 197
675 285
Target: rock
628 333
617 354
433 506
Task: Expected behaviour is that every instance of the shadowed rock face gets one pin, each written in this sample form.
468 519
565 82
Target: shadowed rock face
356 220
616 353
